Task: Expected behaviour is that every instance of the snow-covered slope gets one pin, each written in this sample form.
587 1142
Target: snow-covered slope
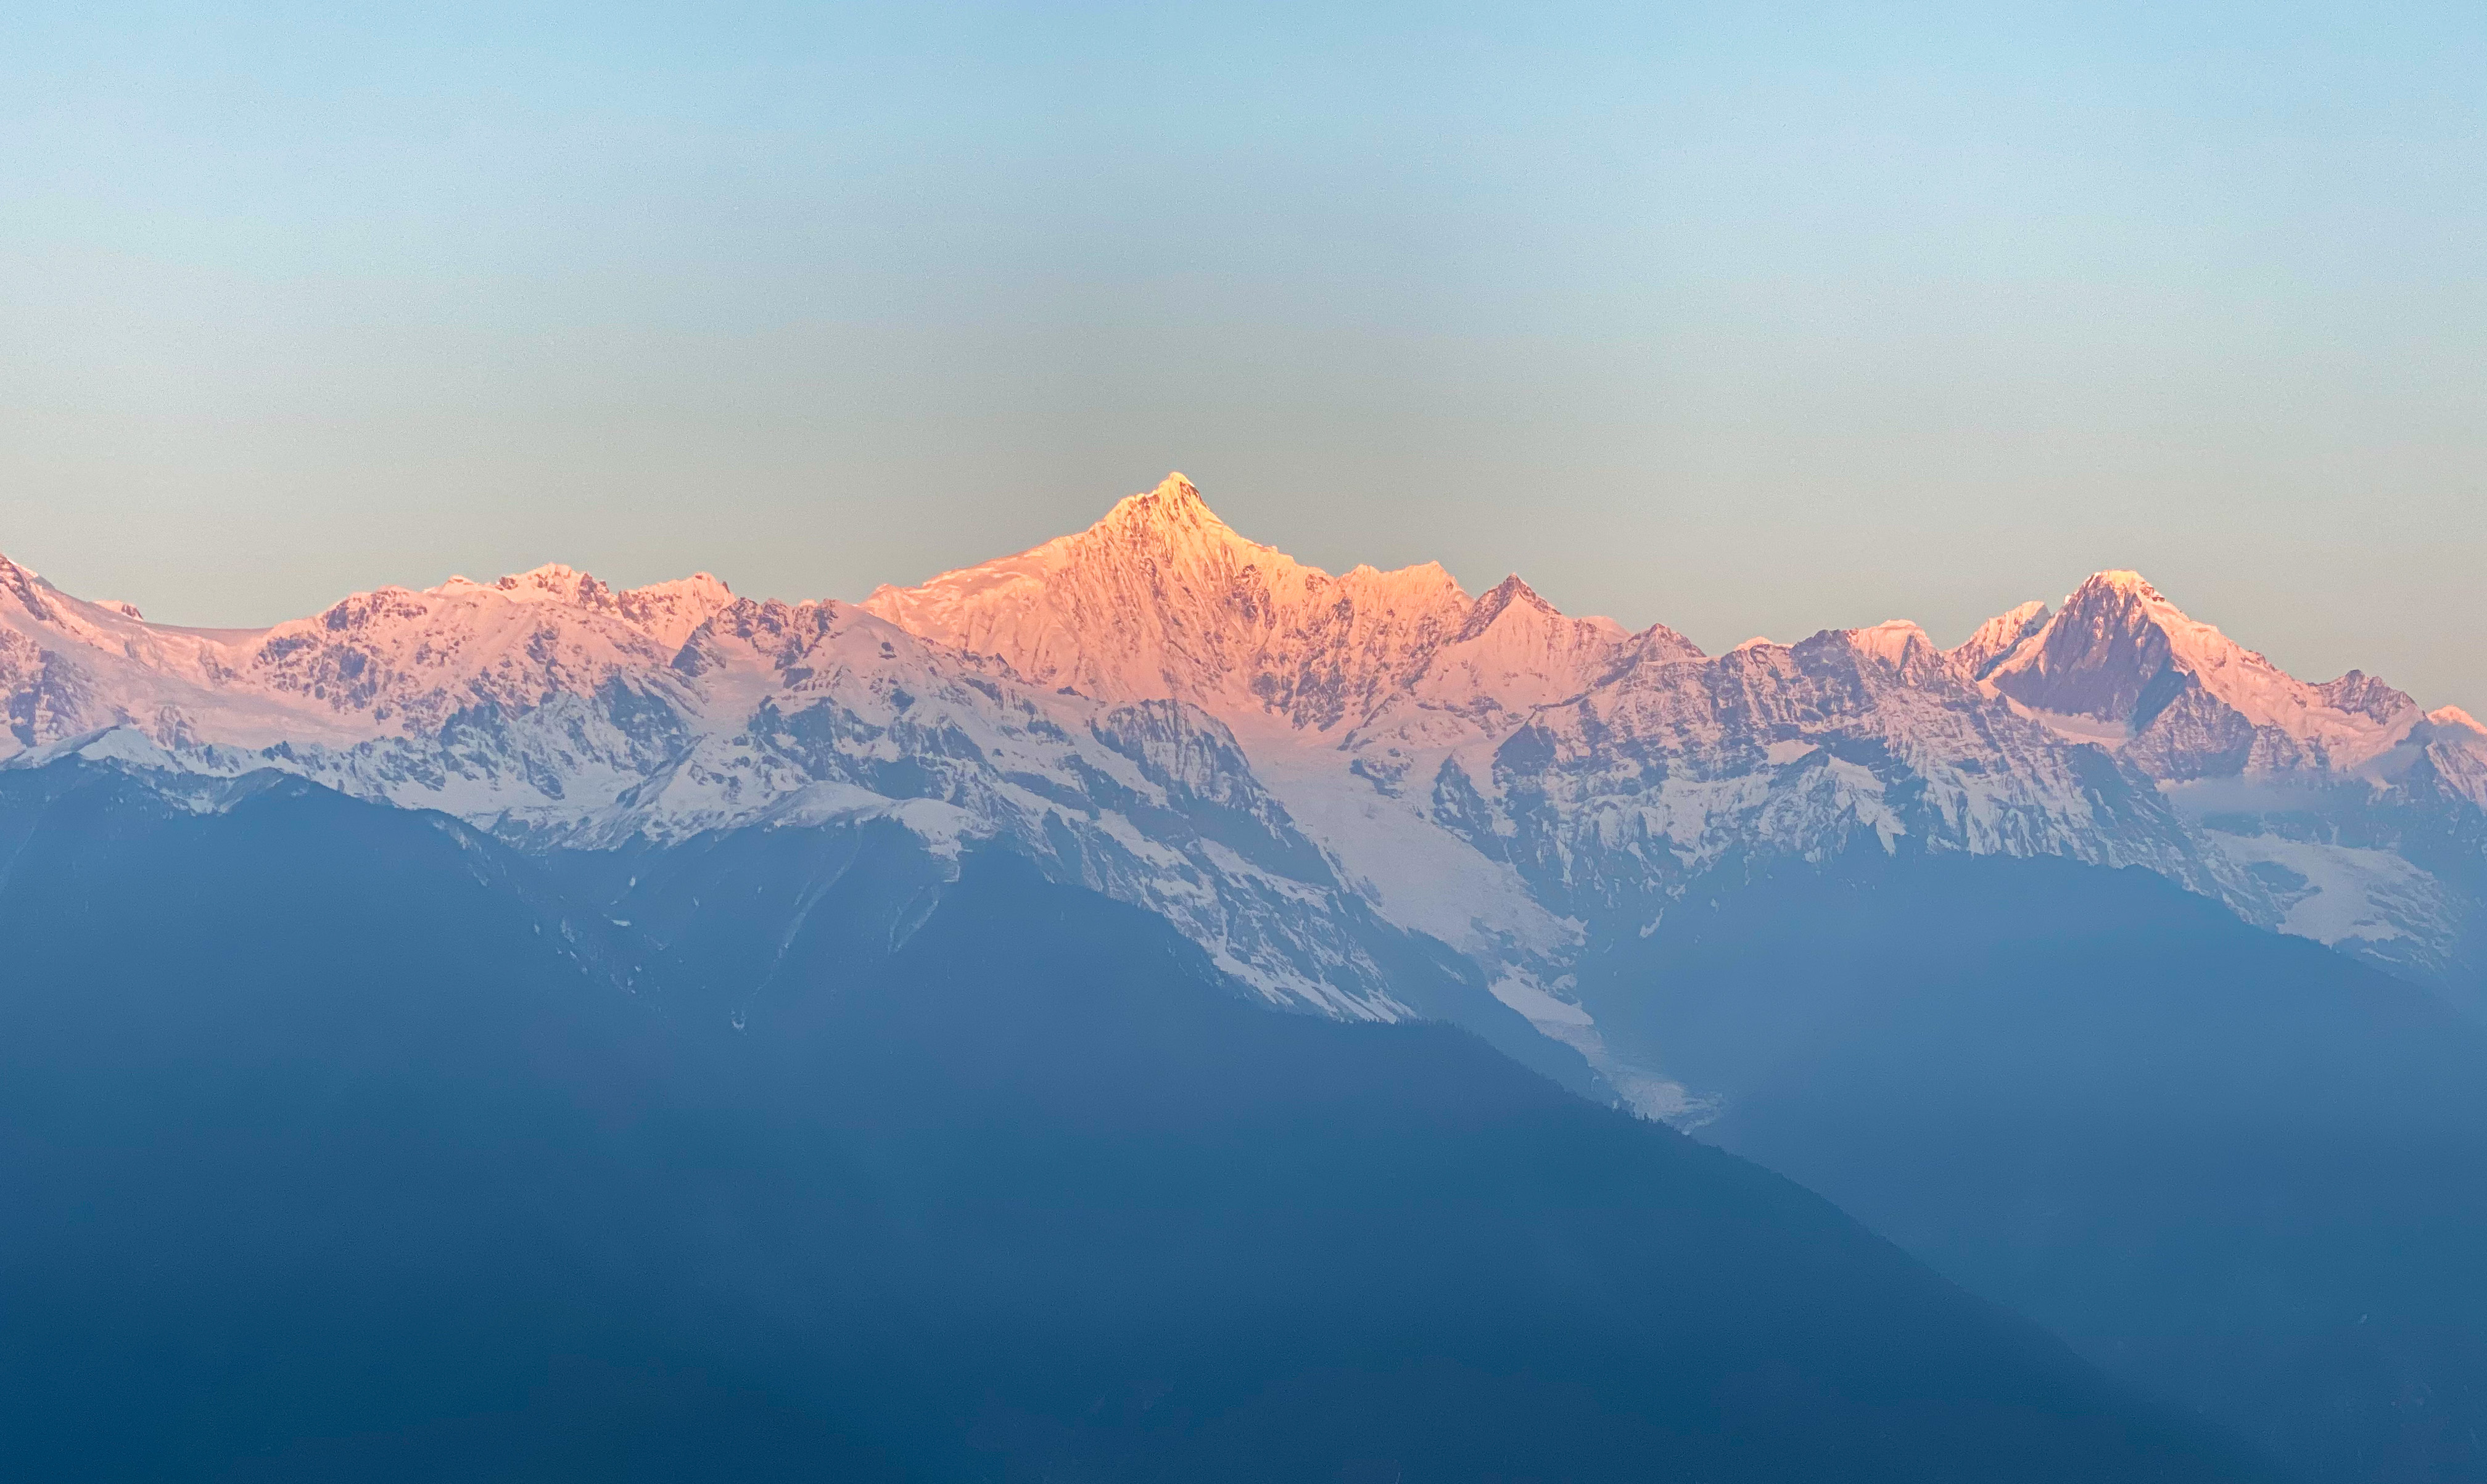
1311 773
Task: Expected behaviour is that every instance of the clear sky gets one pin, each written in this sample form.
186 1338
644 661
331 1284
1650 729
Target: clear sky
1754 319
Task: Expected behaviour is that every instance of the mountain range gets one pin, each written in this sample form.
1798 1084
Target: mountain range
2125 981
1318 777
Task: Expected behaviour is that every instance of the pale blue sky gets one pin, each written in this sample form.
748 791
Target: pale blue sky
1752 319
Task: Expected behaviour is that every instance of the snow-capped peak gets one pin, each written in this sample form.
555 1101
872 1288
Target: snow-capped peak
1895 642
1502 595
1175 504
2123 579
667 612
1162 599
1170 523
1996 639
2454 718
2113 638
2195 701
23 583
553 582
671 612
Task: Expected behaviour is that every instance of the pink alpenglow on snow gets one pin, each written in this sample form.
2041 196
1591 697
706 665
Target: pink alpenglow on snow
1484 770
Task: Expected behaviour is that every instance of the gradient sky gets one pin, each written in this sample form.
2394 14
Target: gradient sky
1753 318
